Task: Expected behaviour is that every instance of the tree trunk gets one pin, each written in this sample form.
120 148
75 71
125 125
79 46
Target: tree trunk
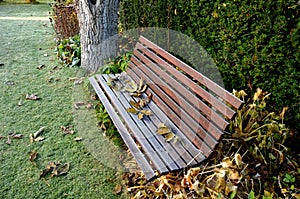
98 21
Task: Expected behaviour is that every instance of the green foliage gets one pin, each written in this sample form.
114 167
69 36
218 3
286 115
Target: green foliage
68 51
118 65
255 44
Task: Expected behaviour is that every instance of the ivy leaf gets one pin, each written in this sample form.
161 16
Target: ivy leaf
233 194
251 195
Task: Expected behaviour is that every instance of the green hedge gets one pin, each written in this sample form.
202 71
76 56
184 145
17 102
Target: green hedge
254 43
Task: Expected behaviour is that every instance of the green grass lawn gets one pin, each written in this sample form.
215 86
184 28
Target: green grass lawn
27 41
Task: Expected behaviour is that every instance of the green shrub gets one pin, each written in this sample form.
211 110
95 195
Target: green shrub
68 51
255 44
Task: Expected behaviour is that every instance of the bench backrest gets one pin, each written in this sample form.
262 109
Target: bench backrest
195 103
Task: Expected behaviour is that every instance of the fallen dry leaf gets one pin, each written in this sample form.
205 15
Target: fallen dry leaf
17 136
67 129
89 106
78 81
41 66
36 134
77 105
20 103
56 169
78 139
118 189
32 155
38 139
8 141
35 137
32 97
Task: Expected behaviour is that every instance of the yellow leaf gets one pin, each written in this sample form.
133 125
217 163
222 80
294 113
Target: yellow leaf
163 130
169 136
238 159
257 94
143 89
226 162
134 104
141 84
235 176
132 110
283 112
267 194
149 97
142 103
297 196
176 139
140 116
133 87
146 112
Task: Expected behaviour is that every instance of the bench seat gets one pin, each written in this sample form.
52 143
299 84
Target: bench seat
196 109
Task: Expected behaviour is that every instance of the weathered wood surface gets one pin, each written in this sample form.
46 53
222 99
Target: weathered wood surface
194 107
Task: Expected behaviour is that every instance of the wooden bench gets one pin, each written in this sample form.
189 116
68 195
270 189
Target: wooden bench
194 107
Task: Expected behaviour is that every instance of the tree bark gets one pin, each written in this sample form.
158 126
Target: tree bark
98 21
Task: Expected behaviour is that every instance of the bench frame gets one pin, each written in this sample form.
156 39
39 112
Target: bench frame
194 107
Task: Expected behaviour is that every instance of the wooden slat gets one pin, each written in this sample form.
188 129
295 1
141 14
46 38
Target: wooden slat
207 141
149 150
225 95
208 97
194 104
182 131
152 122
168 155
179 101
137 154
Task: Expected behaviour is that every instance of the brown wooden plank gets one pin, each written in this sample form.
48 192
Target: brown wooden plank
163 113
174 116
168 155
151 122
208 97
195 105
179 101
218 90
186 153
150 152
137 154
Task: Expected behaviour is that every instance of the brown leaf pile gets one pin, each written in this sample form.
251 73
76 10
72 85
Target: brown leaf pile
218 181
